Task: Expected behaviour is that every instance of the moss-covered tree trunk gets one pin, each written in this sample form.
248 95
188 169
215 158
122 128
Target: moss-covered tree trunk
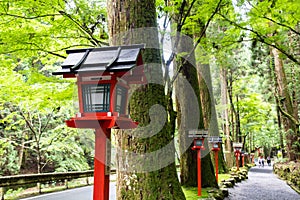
225 117
146 168
209 110
187 81
285 105
187 120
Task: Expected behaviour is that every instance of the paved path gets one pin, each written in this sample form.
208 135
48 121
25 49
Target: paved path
262 184
83 193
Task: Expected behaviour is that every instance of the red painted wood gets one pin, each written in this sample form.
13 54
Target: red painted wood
217 165
199 172
101 179
237 161
80 94
243 160
101 121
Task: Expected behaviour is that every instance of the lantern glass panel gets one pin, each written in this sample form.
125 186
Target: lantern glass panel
216 145
95 97
198 143
121 100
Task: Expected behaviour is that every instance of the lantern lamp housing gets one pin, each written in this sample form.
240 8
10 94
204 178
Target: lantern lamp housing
199 136
103 78
215 141
198 144
237 147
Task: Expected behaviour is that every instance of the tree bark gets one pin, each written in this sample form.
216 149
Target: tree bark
137 175
186 119
225 117
285 106
209 110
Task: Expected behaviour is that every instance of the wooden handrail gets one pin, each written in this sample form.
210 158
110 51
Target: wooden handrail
8 181
24 179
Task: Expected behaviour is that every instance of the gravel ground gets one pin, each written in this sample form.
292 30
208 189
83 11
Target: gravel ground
262 184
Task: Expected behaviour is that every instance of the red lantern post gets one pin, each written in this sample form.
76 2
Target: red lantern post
216 141
252 157
237 150
103 78
199 136
243 159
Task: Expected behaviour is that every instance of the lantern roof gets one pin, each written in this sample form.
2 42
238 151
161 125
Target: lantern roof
114 58
215 139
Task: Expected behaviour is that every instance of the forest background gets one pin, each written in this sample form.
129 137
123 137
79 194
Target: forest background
251 47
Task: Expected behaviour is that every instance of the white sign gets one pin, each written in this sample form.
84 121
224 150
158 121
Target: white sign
198 133
237 145
215 139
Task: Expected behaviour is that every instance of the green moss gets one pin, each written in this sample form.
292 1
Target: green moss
223 177
289 171
191 193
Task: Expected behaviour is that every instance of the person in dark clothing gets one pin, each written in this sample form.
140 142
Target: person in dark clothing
269 161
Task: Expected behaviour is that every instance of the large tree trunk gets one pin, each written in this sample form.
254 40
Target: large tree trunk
146 168
285 105
225 117
189 113
209 110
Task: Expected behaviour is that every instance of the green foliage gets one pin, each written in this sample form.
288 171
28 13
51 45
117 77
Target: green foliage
12 194
34 104
35 28
35 34
9 158
65 151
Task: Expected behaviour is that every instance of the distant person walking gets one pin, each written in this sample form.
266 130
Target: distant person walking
269 161
261 161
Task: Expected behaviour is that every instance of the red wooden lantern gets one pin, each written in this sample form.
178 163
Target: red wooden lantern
216 141
237 147
199 136
198 144
103 78
237 150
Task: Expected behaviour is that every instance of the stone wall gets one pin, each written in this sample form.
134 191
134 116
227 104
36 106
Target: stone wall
289 171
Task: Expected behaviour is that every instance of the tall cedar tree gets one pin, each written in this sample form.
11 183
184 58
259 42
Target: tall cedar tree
188 159
209 111
124 16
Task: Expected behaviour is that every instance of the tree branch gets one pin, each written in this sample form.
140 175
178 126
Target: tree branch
263 39
54 54
28 123
48 120
28 18
179 28
91 37
186 15
286 114
197 42
16 143
280 24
